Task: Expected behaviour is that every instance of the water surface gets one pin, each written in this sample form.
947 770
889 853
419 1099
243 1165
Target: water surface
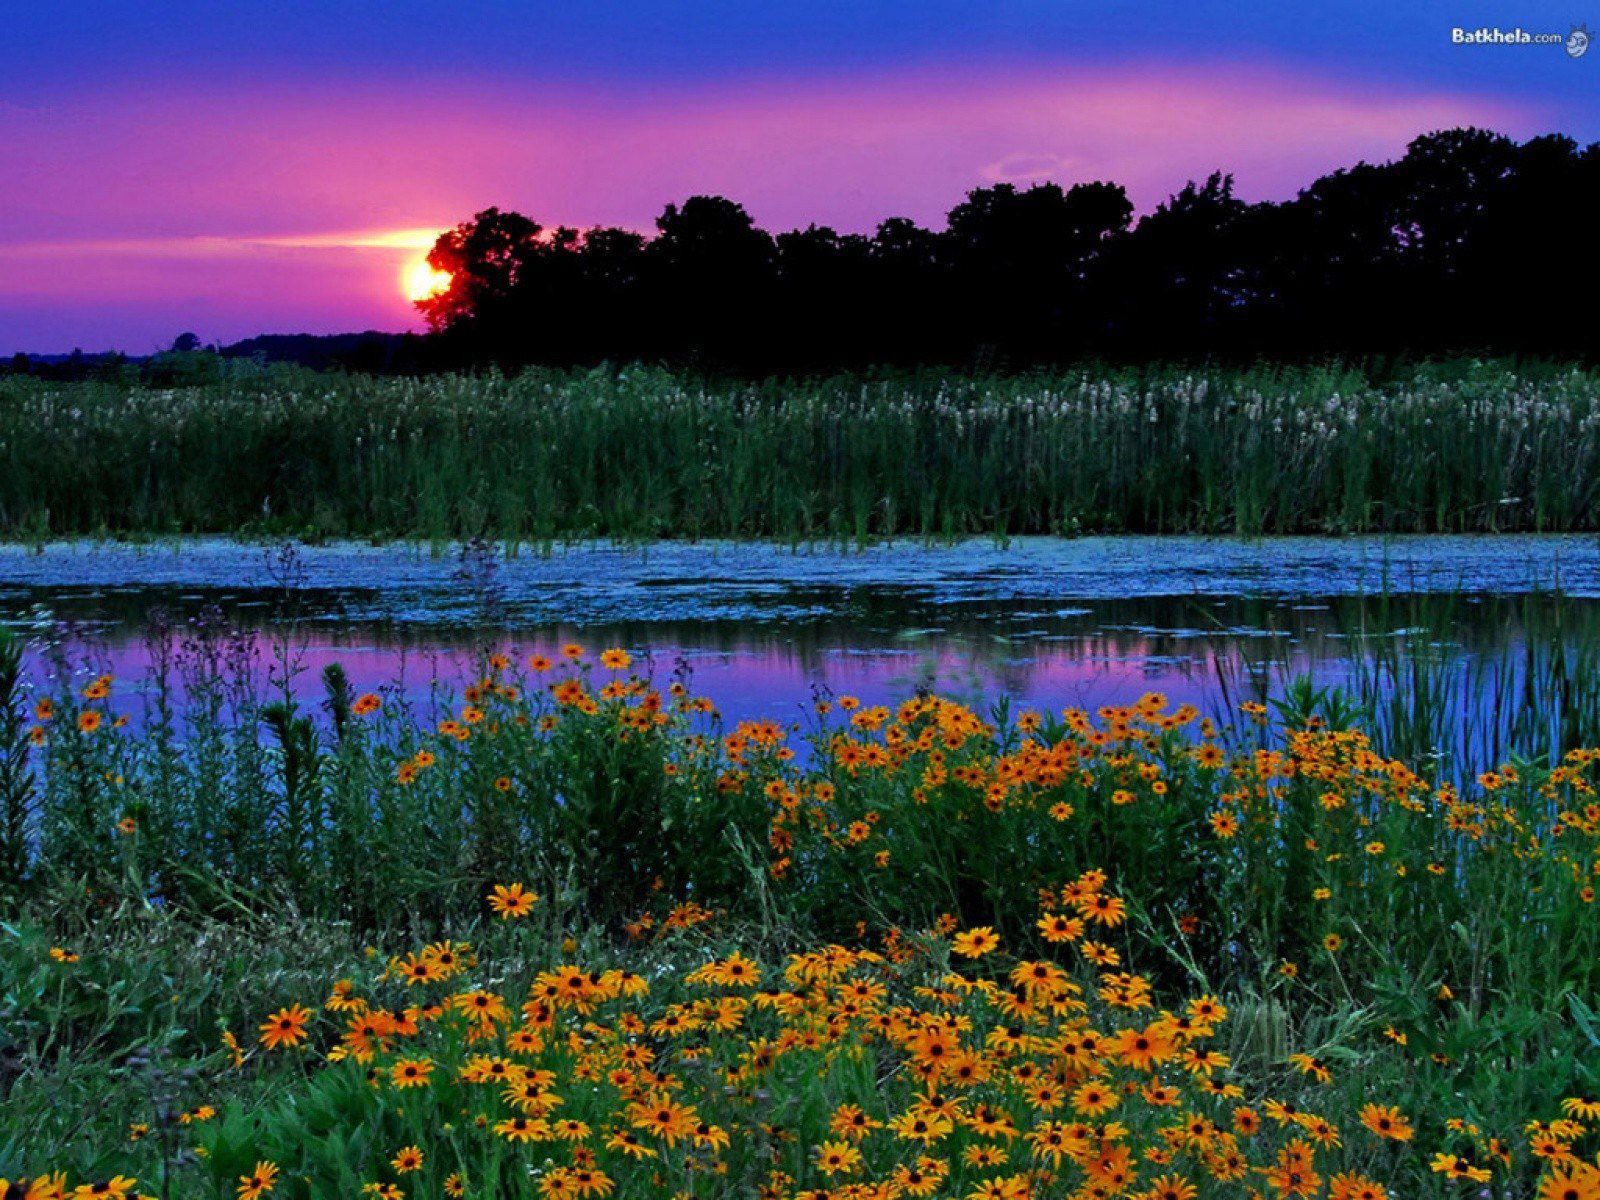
1050 622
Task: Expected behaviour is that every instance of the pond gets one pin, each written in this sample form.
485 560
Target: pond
1049 622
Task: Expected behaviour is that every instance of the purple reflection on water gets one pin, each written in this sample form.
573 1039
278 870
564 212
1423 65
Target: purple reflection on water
1050 623
747 677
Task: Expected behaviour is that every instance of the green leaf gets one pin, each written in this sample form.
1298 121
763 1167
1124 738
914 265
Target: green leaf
1584 1017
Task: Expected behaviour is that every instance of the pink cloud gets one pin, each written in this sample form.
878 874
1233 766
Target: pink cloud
183 194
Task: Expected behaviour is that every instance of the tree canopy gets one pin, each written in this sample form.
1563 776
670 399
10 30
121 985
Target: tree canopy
1469 242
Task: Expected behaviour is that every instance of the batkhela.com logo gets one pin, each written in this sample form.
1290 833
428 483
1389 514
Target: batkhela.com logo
1576 40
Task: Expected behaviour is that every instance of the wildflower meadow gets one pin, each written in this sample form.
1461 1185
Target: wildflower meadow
570 935
791 601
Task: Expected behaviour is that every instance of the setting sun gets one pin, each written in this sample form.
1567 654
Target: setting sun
423 282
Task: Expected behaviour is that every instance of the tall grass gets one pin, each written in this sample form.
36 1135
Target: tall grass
639 453
1437 684
16 777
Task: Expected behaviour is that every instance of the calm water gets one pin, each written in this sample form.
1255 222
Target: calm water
1050 622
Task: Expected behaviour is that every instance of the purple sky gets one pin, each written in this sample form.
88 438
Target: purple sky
239 169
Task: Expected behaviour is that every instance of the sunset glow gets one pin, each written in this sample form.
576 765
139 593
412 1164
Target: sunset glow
423 282
282 198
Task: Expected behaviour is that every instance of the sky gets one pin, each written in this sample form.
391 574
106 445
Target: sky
279 166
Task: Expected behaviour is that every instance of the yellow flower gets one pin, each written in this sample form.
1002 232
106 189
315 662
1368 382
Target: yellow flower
513 901
411 1072
1458 1168
117 1186
975 943
258 1182
1387 1122
407 1160
838 1158
286 1027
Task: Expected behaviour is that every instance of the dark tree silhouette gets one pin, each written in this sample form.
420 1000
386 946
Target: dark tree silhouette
711 282
1021 259
1468 242
1180 280
907 286
821 288
485 259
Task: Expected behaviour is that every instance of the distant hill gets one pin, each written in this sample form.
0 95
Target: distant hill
371 351
102 358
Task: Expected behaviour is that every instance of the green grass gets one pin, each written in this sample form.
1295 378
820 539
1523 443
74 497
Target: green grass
639 453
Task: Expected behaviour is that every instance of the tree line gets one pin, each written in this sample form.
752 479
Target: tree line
1470 242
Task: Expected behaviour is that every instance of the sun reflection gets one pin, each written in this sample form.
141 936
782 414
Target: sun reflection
423 282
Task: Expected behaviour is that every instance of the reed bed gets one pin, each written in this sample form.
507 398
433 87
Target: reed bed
571 936
639 453
1435 681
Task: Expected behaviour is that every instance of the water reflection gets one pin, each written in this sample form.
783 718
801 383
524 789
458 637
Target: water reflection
878 642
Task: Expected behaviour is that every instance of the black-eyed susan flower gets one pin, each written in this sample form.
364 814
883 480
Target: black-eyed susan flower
976 942
513 901
285 1028
259 1182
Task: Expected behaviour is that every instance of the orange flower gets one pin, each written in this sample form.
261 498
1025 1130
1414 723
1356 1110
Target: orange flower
1141 1050
1107 910
411 1072
286 1027
975 943
258 1182
409 1159
838 1158
513 901
1387 1122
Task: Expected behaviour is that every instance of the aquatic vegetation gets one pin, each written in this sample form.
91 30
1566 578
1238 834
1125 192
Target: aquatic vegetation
639 453
574 937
